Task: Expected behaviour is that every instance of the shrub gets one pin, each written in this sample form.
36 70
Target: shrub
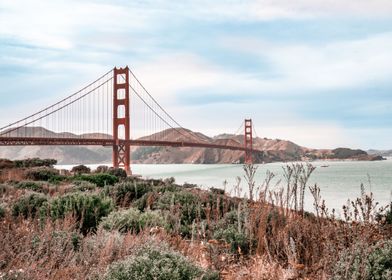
362 262
190 206
33 186
2 212
132 220
388 216
42 174
126 192
101 179
102 169
88 209
83 186
29 205
35 162
80 169
238 241
6 163
379 261
156 262
118 172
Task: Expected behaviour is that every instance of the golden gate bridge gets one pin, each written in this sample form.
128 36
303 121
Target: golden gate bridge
114 110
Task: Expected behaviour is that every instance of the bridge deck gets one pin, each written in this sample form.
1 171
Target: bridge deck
37 141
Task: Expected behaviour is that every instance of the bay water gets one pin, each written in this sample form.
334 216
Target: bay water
339 181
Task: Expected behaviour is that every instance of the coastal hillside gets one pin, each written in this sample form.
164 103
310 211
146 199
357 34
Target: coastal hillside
273 150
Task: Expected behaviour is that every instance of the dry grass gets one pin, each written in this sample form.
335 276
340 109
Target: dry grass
285 242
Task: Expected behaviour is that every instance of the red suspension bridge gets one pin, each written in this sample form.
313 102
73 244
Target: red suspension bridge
103 114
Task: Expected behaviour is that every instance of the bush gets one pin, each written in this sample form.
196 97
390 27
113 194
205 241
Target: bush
190 206
83 186
102 169
2 212
29 205
101 179
118 172
238 241
44 174
126 192
156 262
33 186
379 261
132 220
80 169
388 216
362 262
35 162
88 209
6 163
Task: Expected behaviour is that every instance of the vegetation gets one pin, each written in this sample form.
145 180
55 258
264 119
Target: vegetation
343 153
87 209
157 262
100 179
132 220
80 169
34 162
104 226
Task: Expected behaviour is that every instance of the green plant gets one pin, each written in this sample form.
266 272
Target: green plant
83 186
239 243
88 209
379 261
126 192
189 204
100 179
156 262
132 220
118 172
388 216
102 169
364 262
42 174
35 162
29 205
33 186
2 212
80 169
123 220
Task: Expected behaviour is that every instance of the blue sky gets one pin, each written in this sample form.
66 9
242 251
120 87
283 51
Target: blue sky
317 72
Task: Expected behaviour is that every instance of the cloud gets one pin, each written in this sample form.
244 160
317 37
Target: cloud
306 68
311 9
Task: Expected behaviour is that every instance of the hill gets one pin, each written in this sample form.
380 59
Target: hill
273 150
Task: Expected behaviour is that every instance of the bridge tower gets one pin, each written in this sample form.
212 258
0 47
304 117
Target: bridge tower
121 120
248 141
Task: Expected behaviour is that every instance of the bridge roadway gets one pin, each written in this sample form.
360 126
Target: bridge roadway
41 141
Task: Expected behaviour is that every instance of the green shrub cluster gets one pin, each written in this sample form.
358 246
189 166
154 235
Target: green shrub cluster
238 241
2 212
189 203
35 162
33 186
157 262
100 179
80 169
118 172
132 220
88 209
44 174
125 192
29 205
362 262
83 186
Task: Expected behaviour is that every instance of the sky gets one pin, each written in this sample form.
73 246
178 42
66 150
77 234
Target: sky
316 72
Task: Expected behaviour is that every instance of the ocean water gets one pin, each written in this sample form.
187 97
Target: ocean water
338 180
